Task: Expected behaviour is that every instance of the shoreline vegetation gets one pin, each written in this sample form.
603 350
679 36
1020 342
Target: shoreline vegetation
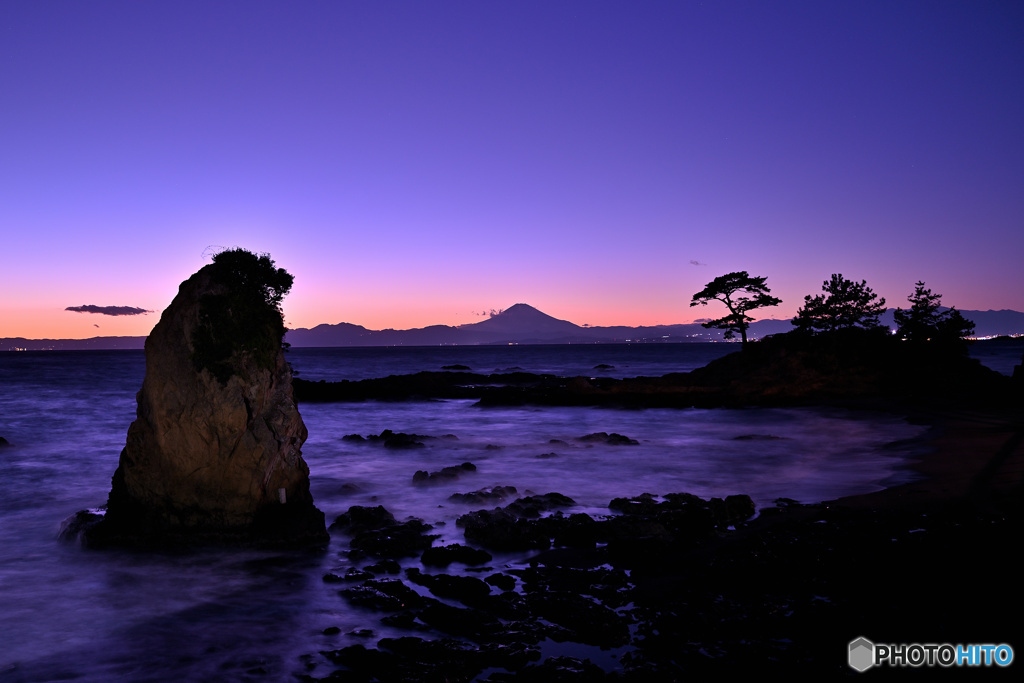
675 588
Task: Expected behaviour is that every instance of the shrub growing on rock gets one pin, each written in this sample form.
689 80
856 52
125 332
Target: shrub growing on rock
245 318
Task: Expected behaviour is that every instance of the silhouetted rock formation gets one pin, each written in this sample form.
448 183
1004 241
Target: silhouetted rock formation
214 453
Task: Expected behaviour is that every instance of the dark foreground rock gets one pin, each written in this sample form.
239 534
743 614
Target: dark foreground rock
445 474
376 533
784 592
442 556
397 440
487 495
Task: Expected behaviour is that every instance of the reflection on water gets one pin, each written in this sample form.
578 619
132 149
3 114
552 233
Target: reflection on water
247 615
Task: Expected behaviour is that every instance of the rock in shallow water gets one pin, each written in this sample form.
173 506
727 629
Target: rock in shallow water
214 453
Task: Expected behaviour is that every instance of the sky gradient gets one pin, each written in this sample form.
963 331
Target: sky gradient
416 163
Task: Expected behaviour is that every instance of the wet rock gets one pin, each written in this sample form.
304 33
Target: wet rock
644 504
517 526
532 506
361 633
465 589
468 622
396 440
4 442
422 477
484 496
609 586
501 529
604 366
443 556
410 659
578 530
361 518
388 595
398 540
612 439
558 670
375 532
681 510
405 619
73 528
384 567
587 621
350 576
399 440
501 582
738 508
354 574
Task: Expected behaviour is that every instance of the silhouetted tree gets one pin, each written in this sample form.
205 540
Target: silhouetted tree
844 304
923 321
740 293
246 318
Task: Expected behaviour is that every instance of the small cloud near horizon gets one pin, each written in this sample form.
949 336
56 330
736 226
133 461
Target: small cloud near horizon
108 310
695 262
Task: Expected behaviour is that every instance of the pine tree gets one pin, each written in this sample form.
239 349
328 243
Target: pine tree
843 305
923 321
740 293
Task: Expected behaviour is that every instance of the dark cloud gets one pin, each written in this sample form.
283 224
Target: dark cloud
694 262
108 310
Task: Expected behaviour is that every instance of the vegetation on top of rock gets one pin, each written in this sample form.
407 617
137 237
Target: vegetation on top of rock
924 322
740 293
244 320
845 304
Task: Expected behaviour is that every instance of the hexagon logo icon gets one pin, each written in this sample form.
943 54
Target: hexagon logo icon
861 654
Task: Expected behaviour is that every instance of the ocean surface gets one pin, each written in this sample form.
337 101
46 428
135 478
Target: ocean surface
240 615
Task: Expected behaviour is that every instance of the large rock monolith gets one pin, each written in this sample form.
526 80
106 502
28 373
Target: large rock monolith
213 455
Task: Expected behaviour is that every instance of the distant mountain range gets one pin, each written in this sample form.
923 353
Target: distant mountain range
520 324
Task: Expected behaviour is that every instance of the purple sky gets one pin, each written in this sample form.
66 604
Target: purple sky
420 162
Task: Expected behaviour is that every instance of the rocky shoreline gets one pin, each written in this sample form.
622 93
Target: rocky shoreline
672 588
785 370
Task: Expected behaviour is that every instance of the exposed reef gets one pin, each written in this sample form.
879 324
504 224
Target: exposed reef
675 587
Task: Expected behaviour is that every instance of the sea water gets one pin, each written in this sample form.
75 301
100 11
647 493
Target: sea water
226 615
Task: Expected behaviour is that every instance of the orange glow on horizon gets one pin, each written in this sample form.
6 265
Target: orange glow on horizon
59 324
